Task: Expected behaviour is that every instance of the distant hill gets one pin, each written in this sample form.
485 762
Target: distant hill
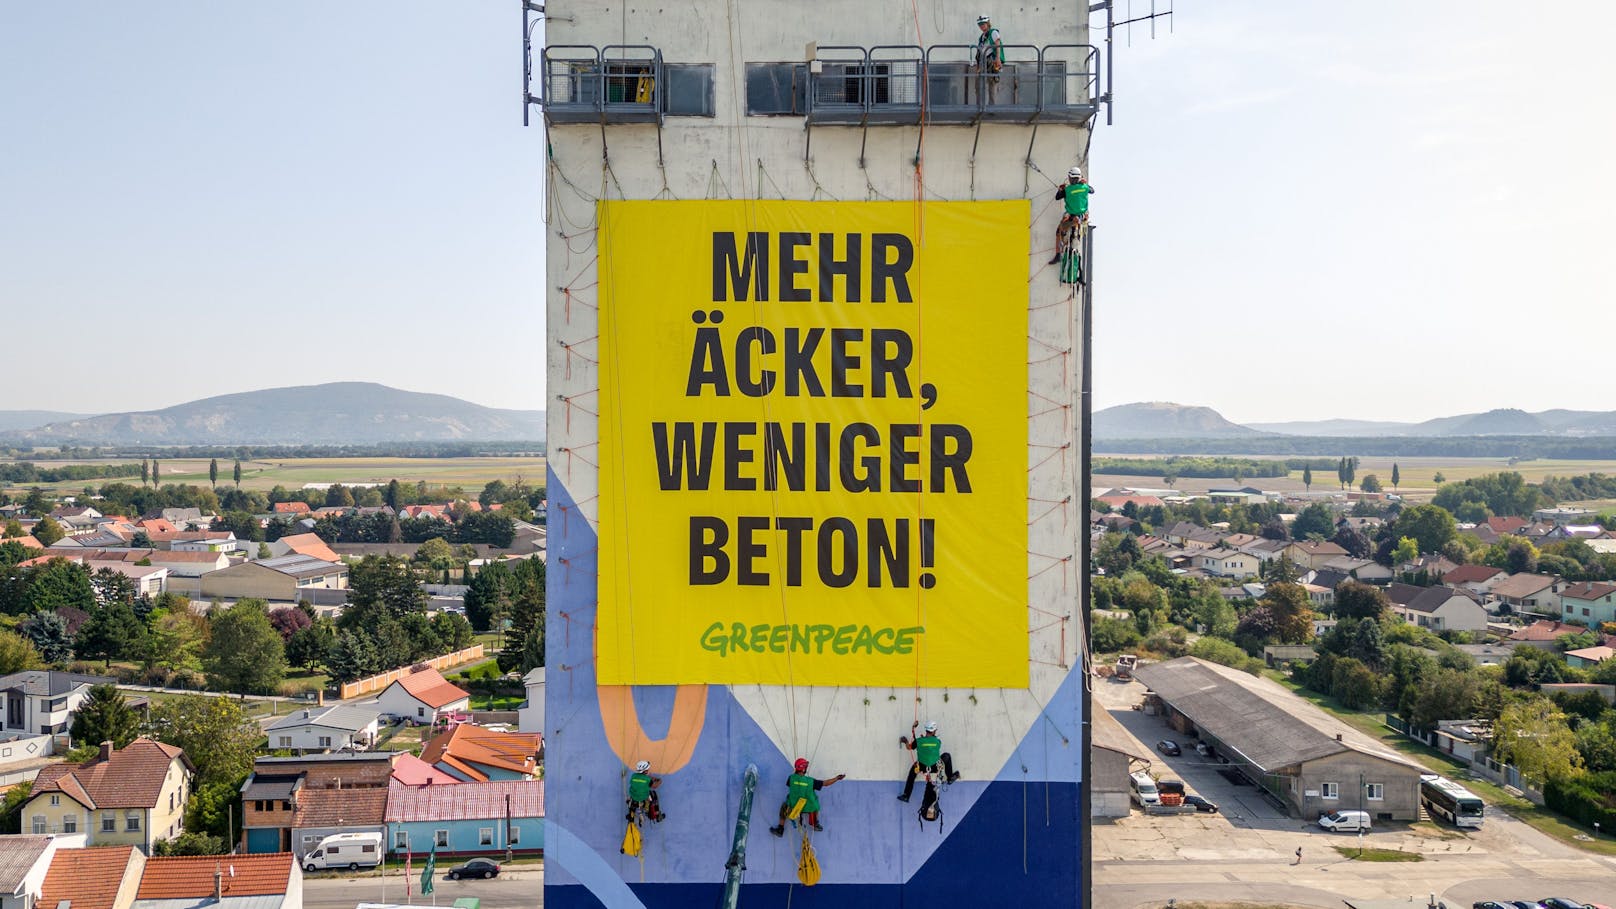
1336 427
357 413
28 419
1166 421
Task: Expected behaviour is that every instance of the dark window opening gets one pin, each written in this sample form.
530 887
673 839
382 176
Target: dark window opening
776 89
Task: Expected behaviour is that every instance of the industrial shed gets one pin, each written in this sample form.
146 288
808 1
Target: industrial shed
1110 761
1306 759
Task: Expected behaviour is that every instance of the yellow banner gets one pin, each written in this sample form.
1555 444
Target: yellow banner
813 443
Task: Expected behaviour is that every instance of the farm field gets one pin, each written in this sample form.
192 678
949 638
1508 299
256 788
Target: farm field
470 473
1418 474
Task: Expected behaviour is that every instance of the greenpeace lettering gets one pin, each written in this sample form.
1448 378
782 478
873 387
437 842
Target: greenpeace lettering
813 443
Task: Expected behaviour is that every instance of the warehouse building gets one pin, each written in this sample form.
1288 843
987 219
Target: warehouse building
1308 761
286 578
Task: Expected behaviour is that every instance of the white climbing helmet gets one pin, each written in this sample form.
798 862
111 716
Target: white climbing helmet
1075 173
931 726
642 766
983 19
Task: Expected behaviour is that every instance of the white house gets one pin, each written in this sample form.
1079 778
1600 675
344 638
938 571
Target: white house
149 580
1438 608
325 729
41 702
530 718
421 696
1228 563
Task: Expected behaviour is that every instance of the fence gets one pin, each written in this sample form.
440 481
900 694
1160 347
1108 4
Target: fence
378 682
1480 763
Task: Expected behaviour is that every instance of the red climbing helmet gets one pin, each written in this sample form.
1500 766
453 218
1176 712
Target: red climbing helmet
801 765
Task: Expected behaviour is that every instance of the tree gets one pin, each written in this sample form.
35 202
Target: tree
1281 570
13 529
1432 527
191 843
104 716
1407 550
1354 599
1293 617
527 614
435 554
351 657
235 473
156 471
11 806
246 654
1397 477
1371 483
213 472
1532 734
453 630
1307 477
289 620
47 631
1353 541
386 581
58 584
1314 521
484 588
219 739
1272 529
145 472
309 646
175 639
111 633
48 532
1369 645
338 496
1438 478
1353 684
17 653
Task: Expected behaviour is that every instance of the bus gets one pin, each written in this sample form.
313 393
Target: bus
1448 800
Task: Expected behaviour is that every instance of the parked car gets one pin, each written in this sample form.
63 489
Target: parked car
1557 902
1490 904
1349 821
1169 748
1203 749
1201 804
1526 904
477 867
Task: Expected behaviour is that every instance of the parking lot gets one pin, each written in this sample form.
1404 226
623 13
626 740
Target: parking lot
1248 849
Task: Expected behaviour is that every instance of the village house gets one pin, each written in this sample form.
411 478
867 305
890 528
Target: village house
41 701
331 728
530 717
106 877
133 796
1186 535
1478 579
1589 657
1544 633
1364 571
1313 554
475 754
1438 608
1538 594
467 818
304 544
422 696
1228 563
1589 602
215 882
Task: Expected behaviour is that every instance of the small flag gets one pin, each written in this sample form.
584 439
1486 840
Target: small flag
427 869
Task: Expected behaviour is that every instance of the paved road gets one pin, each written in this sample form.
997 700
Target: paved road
518 889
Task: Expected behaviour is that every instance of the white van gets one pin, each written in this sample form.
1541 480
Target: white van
346 850
1142 789
1347 821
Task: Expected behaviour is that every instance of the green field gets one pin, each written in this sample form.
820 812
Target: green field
470 473
1418 475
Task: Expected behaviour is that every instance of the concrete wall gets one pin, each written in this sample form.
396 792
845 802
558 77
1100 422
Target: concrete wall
248 580
1108 784
1402 793
1001 740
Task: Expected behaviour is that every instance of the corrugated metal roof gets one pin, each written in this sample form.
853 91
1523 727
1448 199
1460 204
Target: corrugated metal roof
352 719
464 801
17 857
1269 725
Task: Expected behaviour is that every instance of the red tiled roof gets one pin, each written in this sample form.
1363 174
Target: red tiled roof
1546 630
157 525
464 801
1593 654
469 749
1505 524
191 876
132 778
430 688
340 807
90 878
27 541
1471 574
1588 590
291 507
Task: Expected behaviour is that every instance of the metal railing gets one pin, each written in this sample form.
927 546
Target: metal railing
948 83
618 83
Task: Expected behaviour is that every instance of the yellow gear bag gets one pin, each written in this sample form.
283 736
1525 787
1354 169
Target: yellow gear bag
807 864
796 810
631 840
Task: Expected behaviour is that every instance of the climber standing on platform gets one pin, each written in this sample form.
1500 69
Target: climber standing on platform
989 58
1075 193
802 798
930 758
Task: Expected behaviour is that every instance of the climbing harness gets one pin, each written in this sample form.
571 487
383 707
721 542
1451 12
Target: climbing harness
931 807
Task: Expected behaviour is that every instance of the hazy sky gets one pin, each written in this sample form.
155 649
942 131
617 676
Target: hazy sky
1306 209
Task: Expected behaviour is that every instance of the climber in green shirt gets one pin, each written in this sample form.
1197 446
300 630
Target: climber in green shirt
1075 193
642 793
800 787
929 753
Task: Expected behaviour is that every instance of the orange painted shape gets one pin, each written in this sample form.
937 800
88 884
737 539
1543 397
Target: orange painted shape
631 743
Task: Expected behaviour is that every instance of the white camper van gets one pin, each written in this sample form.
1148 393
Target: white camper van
1143 789
346 850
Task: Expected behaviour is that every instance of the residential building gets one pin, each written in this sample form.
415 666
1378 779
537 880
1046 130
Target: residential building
271 797
422 696
181 564
1322 598
1506 524
1439 608
204 541
530 718
326 812
1118 501
467 818
410 770
268 811
331 728
1532 593
1264 550
1588 657
149 580
1313 554
135 796
1544 633
1488 654
290 508
1111 759
1364 571
304 544
182 518
285 579
102 878
475 754
1191 536
356 770
1307 759
1478 579
1589 602
24 862
1563 515
220 882
1228 563
42 701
